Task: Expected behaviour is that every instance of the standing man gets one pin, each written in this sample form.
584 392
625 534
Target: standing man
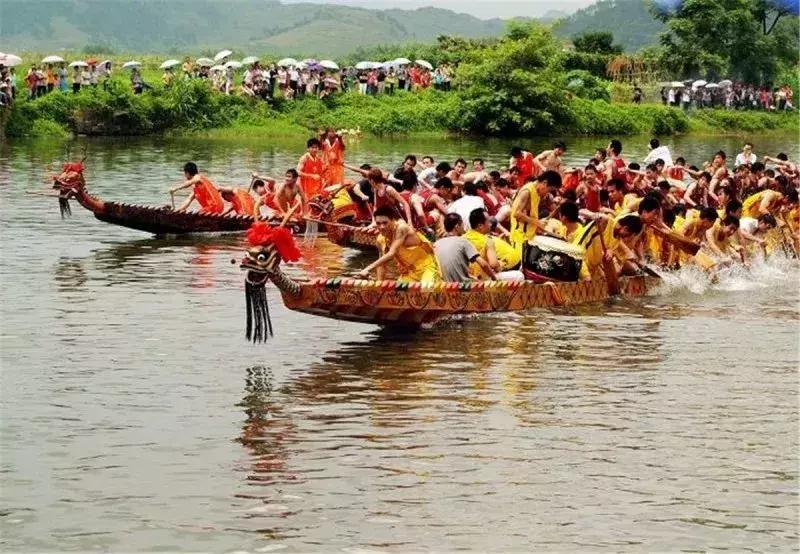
523 161
658 152
746 156
310 169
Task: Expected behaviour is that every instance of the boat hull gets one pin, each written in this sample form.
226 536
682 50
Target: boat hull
165 221
393 303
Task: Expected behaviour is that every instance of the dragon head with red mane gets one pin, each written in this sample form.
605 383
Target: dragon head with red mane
68 183
269 246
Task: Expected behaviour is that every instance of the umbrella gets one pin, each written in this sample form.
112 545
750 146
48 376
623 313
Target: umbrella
79 63
329 64
222 54
205 62
10 60
712 85
286 62
218 68
250 60
104 62
725 83
699 83
310 61
365 65
131 64
53 59
424 63
402 61
676 84
169 64
234 64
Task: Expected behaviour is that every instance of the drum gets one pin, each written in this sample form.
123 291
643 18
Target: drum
550 259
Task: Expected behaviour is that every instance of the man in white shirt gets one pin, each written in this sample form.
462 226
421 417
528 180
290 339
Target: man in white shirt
658 152
467 203
746 156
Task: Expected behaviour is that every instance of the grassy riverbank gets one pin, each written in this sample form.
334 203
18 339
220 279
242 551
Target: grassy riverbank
193 108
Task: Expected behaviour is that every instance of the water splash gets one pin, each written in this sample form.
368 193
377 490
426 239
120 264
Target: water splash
759 274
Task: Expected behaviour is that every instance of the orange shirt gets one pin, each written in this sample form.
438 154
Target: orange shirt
242 202
525 166
208 196
313 166
334 160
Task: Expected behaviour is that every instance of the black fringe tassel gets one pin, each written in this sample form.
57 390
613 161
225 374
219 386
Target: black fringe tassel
63 205
259 324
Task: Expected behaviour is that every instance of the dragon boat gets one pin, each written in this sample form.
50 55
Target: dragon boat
158 220
399 303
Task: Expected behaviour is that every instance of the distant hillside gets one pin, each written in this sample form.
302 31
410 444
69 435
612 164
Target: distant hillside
630 21
178 26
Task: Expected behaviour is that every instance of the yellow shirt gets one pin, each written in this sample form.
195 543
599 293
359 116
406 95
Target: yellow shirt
589 239
508 256
751 207
415 263
523 232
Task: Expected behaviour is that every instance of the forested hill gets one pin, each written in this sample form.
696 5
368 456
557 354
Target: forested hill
178 26
630 21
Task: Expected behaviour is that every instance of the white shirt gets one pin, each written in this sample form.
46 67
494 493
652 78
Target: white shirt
465 206
748 225
427 177
741 161
660 152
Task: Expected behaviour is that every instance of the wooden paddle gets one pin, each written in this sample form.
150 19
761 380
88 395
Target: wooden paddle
679 241
289 214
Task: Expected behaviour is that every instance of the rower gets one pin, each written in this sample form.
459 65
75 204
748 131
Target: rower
204 191
718 245
501 256
618 237
550 159
455 253
764 202
240 200
695 230
409 249
525 209
288 198
386 196
310 168
755 230
523 161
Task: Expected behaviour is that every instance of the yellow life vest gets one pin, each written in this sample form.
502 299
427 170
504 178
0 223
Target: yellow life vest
508 256
523 232
415 263
589 239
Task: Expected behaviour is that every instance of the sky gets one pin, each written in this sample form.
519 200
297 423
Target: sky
485 9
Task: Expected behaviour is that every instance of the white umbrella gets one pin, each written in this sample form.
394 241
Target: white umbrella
131 64
402 61
53 59
699 83
676 84
364 65
424 63
725 83
250 60
286 62
329 64
222 54
10 60
712 85
205 62
169 63
79 63
234 64
310 61
218 68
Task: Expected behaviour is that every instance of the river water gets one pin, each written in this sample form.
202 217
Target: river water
136 417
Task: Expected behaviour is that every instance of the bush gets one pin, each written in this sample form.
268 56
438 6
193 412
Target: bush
47 128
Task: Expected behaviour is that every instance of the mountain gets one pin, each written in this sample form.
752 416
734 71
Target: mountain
632 24
186 26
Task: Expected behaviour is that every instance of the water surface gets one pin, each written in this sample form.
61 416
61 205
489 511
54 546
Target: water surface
136 417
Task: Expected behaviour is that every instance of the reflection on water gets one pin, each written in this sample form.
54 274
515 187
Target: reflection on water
136 417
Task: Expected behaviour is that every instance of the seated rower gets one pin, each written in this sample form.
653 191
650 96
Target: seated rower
501 256
455 253
525 209
240 200
409 249
609 239
204 191
287 201
718 247
565 223
695 230
754 231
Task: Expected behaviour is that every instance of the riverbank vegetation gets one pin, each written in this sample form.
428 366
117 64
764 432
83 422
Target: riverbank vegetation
523 84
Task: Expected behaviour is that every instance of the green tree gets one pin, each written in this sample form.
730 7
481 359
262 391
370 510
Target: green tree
727 38
596 42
